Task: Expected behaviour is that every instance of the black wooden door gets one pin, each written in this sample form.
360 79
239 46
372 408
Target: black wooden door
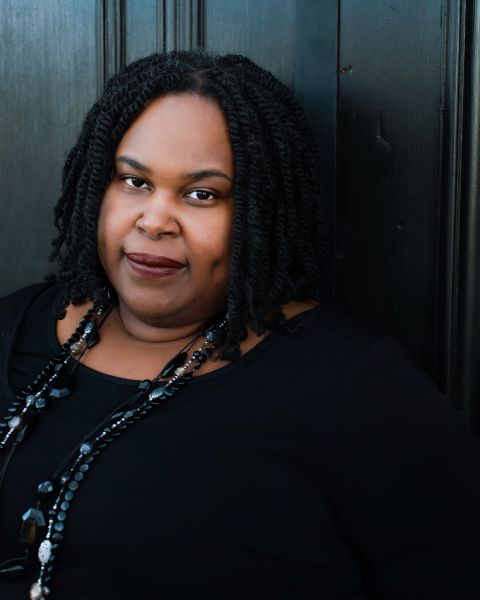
391 89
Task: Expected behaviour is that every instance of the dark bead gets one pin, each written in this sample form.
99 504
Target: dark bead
159 393
197 354
69 496
40 403
59 526
33 522
177 361
86 448
143 385
3 425
65 478
117 416
57 393
62 515
62 386
212 336
45 489
65 505
73 485
78 476
83 468
57 537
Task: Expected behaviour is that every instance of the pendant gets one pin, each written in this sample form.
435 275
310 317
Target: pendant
62 386
33 522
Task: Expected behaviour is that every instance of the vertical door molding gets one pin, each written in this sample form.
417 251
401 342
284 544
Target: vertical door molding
111 39
468 363
181 24
149 26
448 278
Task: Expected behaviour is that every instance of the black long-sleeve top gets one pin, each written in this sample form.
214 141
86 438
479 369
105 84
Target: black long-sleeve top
320 465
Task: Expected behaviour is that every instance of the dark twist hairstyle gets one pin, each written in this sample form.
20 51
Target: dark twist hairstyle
277 242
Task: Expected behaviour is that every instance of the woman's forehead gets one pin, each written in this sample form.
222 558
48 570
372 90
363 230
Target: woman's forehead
182 128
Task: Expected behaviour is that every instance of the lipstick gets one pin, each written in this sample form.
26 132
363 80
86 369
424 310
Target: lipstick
151 265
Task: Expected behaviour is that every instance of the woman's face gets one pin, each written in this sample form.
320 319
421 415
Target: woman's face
166 218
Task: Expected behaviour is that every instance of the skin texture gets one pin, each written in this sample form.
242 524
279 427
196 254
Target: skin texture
158 207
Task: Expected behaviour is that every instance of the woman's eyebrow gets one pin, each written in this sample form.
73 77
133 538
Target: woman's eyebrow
133 163
193 176
204 173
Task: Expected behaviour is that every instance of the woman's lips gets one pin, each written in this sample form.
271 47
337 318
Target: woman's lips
152 266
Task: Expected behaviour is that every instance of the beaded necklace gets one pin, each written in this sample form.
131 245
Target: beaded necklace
56 381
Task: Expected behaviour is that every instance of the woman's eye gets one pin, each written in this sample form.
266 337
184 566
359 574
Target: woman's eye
135 182
201 195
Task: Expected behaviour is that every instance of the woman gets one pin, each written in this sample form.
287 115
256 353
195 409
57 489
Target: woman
305 459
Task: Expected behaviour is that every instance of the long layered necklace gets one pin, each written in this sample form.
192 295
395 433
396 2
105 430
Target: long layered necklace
46 520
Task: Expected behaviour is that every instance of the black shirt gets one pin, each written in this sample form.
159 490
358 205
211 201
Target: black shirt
319 465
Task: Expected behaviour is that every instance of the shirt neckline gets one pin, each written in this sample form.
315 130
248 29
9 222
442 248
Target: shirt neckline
270 339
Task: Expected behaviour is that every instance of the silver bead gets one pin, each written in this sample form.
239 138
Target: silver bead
45 551
15 422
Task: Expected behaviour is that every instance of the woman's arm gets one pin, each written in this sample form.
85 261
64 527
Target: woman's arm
405 482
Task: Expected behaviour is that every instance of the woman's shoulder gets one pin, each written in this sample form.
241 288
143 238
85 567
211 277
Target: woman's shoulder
28 311
14 304
319 330
330 353
25 292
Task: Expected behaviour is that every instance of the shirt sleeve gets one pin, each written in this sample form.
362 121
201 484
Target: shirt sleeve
405 482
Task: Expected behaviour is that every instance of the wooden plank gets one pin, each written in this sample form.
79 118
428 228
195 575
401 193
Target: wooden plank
263 31
390 140
48 55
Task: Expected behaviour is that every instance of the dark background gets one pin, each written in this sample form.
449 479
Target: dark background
392 91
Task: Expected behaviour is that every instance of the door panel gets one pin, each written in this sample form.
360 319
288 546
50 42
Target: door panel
48 66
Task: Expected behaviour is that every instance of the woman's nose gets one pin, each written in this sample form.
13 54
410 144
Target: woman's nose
159 217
